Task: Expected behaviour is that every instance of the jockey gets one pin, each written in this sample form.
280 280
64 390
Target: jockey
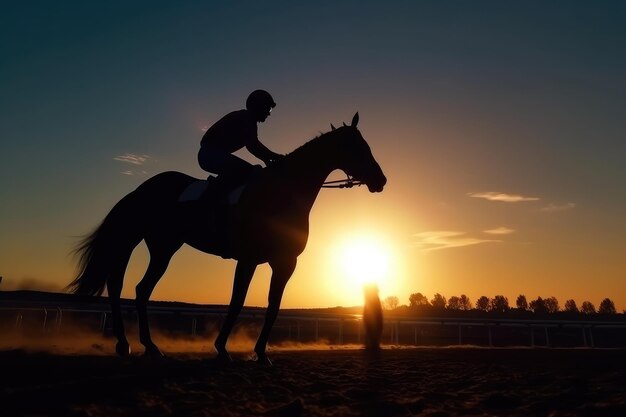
231 133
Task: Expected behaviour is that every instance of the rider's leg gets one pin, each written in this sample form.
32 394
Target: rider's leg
233 172
211 160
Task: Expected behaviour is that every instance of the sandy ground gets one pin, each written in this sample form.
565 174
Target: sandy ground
331 382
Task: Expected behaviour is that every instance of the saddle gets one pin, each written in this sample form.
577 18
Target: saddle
197 189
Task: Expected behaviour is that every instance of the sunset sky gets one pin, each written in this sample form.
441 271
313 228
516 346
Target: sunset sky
500 126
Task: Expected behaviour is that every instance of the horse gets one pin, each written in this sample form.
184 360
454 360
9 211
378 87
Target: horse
269 223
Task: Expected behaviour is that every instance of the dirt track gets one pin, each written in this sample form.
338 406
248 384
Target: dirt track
402 382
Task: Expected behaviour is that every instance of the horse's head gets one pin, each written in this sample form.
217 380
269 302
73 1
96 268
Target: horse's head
356 157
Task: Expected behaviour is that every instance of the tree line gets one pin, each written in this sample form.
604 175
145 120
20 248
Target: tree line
500 303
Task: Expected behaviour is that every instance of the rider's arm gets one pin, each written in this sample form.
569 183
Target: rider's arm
256 148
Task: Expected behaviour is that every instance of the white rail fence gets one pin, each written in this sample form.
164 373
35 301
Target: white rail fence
340 329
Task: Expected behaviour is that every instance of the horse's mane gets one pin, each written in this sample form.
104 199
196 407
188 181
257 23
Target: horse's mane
309 149
305 147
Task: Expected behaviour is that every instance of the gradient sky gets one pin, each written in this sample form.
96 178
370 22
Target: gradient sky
500 126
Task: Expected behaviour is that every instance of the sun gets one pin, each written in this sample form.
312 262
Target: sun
358 257
364 260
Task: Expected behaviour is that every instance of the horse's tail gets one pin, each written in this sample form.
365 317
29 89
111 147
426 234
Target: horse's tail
111 243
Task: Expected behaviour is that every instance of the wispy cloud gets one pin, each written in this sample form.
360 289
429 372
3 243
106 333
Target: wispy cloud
550 208
504 197
436 240
132 159
135 162
500 231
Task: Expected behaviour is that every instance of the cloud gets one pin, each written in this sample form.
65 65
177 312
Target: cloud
137 161
436 240
504 197
132 159
550 208
500 231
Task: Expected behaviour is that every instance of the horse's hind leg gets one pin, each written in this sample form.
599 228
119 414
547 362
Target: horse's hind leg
159 260
114 287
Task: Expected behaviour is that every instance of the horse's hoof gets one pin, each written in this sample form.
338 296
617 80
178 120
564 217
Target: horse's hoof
223 358
263 360
153 354
122 349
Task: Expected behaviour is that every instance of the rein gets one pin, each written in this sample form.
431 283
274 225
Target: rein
345 183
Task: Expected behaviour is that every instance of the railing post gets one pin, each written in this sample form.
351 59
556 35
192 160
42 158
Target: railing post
397 334
317 330
545 328
194 324
584 335
593 345
341 331
103 321
58 319
18 320
45 318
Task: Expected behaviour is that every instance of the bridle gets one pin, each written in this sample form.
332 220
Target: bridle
348 182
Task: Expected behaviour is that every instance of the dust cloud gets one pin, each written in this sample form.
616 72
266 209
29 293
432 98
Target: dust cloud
74 339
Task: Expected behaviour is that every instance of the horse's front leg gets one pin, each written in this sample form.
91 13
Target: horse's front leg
281 272
243 276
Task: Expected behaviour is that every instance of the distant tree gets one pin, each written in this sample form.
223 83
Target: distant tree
391 302
500 303
454 303
588 308
483 304
418 299
538 305
465 303
607 307
438 301
571 307
552 304
521 302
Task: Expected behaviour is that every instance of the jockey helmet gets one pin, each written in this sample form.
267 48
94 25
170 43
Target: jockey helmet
259 101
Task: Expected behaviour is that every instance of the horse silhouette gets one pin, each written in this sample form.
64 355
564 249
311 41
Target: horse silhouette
270 223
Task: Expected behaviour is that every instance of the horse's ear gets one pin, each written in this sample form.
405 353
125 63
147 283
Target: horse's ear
344 124
332 127
355 120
